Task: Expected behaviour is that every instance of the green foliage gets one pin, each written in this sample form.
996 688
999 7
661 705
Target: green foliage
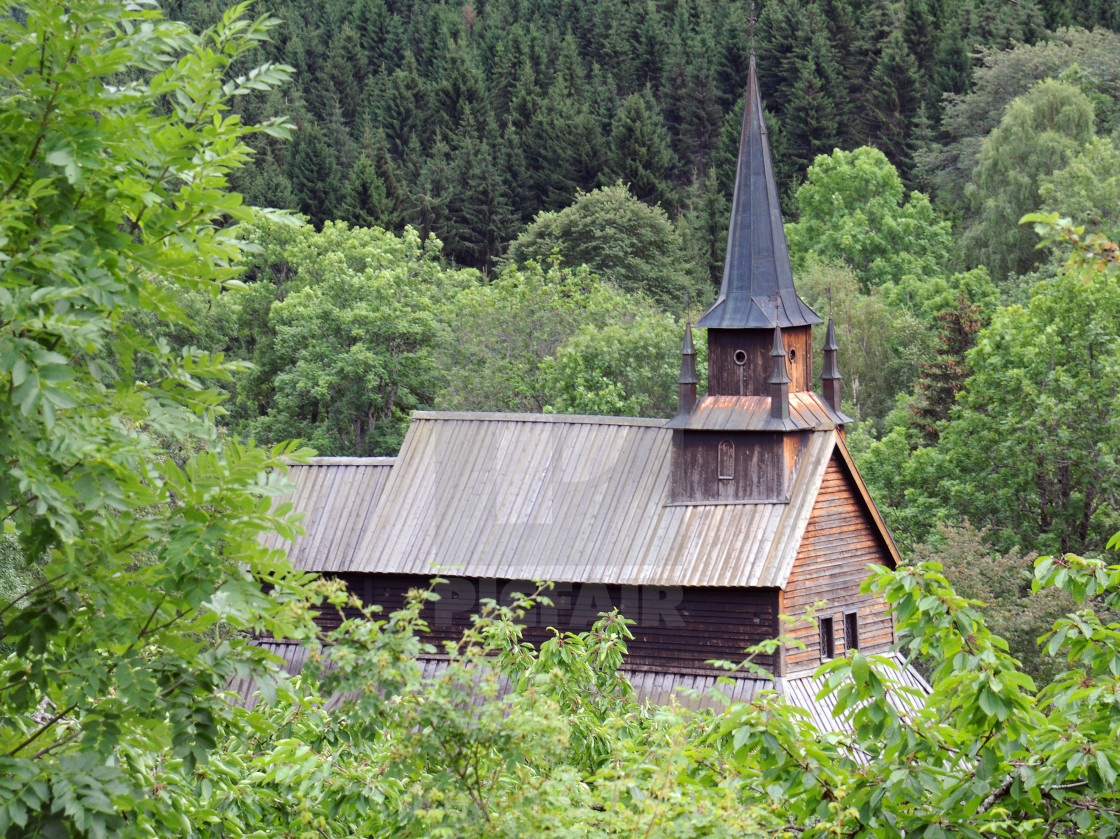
640 154
628 243
1004 75
500 333
881 346
1039 134
1088 188
1003 584
1030 451
354 322
117 138
622 369
853 208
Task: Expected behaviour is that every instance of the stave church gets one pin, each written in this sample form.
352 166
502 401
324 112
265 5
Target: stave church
705 529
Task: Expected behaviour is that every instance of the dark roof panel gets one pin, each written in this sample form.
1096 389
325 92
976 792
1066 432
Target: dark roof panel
757 277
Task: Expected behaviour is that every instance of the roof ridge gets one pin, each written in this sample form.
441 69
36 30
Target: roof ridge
573 419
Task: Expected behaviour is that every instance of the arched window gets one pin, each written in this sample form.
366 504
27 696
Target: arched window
726 460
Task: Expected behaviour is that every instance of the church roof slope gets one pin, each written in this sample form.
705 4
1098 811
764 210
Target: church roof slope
571 499
337 496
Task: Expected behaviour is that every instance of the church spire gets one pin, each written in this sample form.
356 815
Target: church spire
756 271
687 381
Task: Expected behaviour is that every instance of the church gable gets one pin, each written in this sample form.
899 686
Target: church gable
843 537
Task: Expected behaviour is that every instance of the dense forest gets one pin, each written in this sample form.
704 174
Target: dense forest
466 120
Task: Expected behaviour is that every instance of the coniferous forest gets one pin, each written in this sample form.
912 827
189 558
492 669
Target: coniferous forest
225 228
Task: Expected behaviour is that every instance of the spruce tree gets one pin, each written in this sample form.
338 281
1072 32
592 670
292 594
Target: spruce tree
640 154
481 215
815 110
892 103
941 379
364 200
706 225
406 112
732 57
314 174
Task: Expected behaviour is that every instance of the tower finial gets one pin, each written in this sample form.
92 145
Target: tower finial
752 20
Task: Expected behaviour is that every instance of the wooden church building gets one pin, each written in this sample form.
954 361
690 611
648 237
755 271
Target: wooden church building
703 529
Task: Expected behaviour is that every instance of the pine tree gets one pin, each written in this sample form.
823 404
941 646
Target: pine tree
640 154
434 184
346 72
569 75
406 113
265 184
706 225
952 71
647 44
733 57
480 215
815 110
364 199
460 90
781 37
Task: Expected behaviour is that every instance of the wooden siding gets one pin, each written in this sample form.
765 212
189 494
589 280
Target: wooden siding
726 378
761 465
841 541
677 628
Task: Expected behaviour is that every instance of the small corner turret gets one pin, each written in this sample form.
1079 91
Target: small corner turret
688 380
830 374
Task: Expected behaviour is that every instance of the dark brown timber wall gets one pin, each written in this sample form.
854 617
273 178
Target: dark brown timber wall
840 542
752 378
676 629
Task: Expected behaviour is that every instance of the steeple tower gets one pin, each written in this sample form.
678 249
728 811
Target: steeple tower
757 287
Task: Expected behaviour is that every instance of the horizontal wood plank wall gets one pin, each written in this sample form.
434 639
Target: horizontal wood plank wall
677 630
840 542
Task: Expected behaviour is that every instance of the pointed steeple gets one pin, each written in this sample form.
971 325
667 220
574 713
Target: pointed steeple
687 381
779 379
830 374
756 271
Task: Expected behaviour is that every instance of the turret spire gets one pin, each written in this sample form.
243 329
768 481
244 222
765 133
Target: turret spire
830 374
756 271
779 379
687 381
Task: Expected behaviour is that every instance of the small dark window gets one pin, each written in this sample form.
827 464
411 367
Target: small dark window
792 354
740 357
726 460
828 639
851 630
